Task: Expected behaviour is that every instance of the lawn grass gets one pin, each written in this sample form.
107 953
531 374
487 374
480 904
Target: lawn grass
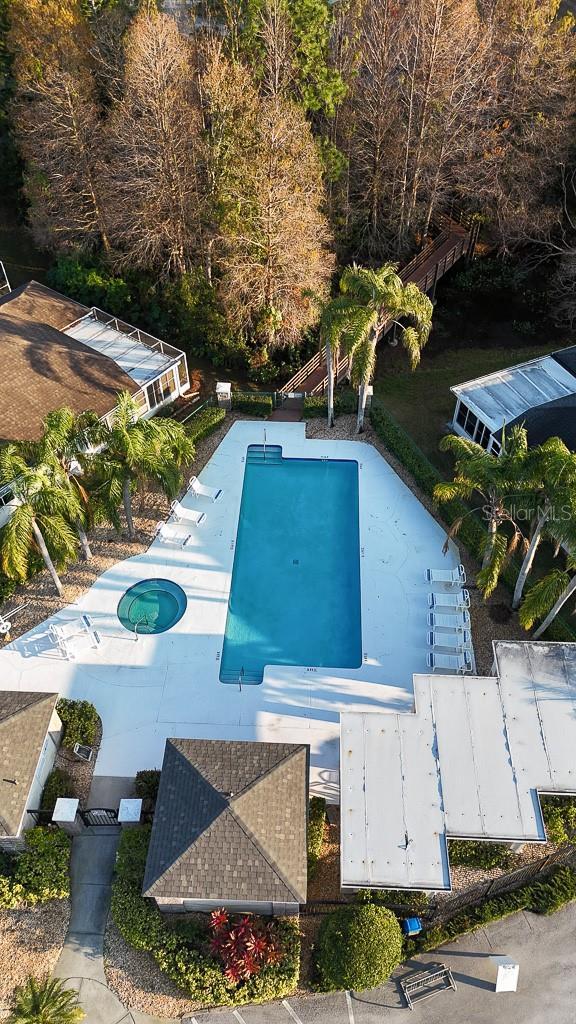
422 401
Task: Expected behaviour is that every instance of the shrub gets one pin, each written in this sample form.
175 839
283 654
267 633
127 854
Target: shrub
479 855
345 403
554 892
316 821
252 403
58 784
245 945
146 784
45 1001
204 423
182 952
559 818
415 899
40 873
80 720
358 947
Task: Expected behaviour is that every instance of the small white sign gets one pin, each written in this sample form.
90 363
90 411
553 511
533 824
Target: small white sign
507 976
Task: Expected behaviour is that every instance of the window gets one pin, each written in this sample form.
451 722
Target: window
472 426
183 372
159 390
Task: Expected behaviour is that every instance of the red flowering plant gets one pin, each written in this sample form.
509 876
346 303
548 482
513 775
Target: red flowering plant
244 945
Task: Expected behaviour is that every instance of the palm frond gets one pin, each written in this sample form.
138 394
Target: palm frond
542 596
488 577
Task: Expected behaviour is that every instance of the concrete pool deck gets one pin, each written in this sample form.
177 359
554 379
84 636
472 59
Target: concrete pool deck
168 684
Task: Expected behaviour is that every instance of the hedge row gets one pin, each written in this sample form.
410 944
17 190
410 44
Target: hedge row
80 722
316 821
38 874
254 404
345 403
472 533
183 953
357 948
544 897
204 422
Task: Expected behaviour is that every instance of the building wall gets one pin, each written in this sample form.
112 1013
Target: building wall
43 768
174 906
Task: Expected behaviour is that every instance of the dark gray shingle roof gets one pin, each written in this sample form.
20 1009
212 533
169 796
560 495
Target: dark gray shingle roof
230 822
24 721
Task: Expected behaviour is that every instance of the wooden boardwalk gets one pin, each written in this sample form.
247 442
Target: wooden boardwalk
453 241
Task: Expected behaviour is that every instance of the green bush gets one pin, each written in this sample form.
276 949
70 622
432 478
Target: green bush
252 404
559 818
58 784
80 720
182 952
358 947
544 897
479 855
345 404
204 423
316 821
40 873
146 784
413 898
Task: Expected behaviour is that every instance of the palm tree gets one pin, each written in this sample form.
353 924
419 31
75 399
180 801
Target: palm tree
369 301
546 598
45 1001
45 507
64 443
136 452
497 479
555 465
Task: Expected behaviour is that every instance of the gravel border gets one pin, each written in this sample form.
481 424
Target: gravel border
31 940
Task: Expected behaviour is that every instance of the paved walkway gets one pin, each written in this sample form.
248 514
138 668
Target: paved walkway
81 963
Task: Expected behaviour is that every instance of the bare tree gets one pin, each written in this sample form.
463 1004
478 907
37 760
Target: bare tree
58 124
156 161
273 245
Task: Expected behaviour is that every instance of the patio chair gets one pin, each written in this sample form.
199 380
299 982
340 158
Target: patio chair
186 515
453 577
459 600
202 491
171 533
458 640
461 662
65 635
457 619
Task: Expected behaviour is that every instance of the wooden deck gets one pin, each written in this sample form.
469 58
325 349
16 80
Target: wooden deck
453 241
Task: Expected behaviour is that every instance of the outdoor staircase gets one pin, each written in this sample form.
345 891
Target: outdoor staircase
456 238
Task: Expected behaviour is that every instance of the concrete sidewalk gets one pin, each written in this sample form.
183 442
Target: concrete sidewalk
81 962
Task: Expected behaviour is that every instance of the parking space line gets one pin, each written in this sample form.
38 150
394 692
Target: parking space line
292 1012
349 1005
239 1017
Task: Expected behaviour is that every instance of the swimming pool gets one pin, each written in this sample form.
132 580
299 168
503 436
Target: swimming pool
152 606
295 594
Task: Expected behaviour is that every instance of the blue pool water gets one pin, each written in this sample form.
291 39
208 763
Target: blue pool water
295 595
152 606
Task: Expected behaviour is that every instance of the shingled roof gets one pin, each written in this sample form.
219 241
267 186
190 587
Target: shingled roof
43 368
230 822
24 722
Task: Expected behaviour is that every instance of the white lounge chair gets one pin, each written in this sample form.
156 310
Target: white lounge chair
460 663
172 533
453 577
66 634
459 600
449 620
458 640
202 491
186 515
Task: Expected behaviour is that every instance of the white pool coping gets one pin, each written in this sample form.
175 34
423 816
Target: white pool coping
167 685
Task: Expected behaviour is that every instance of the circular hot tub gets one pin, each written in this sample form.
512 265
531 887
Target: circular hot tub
152 606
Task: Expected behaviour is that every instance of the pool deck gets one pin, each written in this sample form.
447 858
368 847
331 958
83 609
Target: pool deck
149 689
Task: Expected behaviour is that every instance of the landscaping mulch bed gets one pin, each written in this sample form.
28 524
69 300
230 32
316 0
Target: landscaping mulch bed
30 943
134 976
80 772
108 548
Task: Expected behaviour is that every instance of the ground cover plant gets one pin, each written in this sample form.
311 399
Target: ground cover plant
80 721
38 874
58 784
316 824
479 855
358 947
262 958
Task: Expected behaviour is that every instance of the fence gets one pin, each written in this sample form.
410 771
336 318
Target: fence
440 909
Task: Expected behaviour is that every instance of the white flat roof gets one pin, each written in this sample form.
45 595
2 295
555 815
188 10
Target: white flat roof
500 398
469 764
139 361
